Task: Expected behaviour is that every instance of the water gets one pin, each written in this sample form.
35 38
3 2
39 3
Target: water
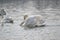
16 32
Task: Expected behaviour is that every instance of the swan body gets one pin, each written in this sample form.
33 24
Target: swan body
7 20
33 21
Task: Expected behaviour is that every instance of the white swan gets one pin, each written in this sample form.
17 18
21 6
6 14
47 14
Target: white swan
33 21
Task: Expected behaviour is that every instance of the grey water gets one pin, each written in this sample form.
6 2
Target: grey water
17 8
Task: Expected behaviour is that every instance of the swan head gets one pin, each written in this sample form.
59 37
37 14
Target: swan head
25 16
